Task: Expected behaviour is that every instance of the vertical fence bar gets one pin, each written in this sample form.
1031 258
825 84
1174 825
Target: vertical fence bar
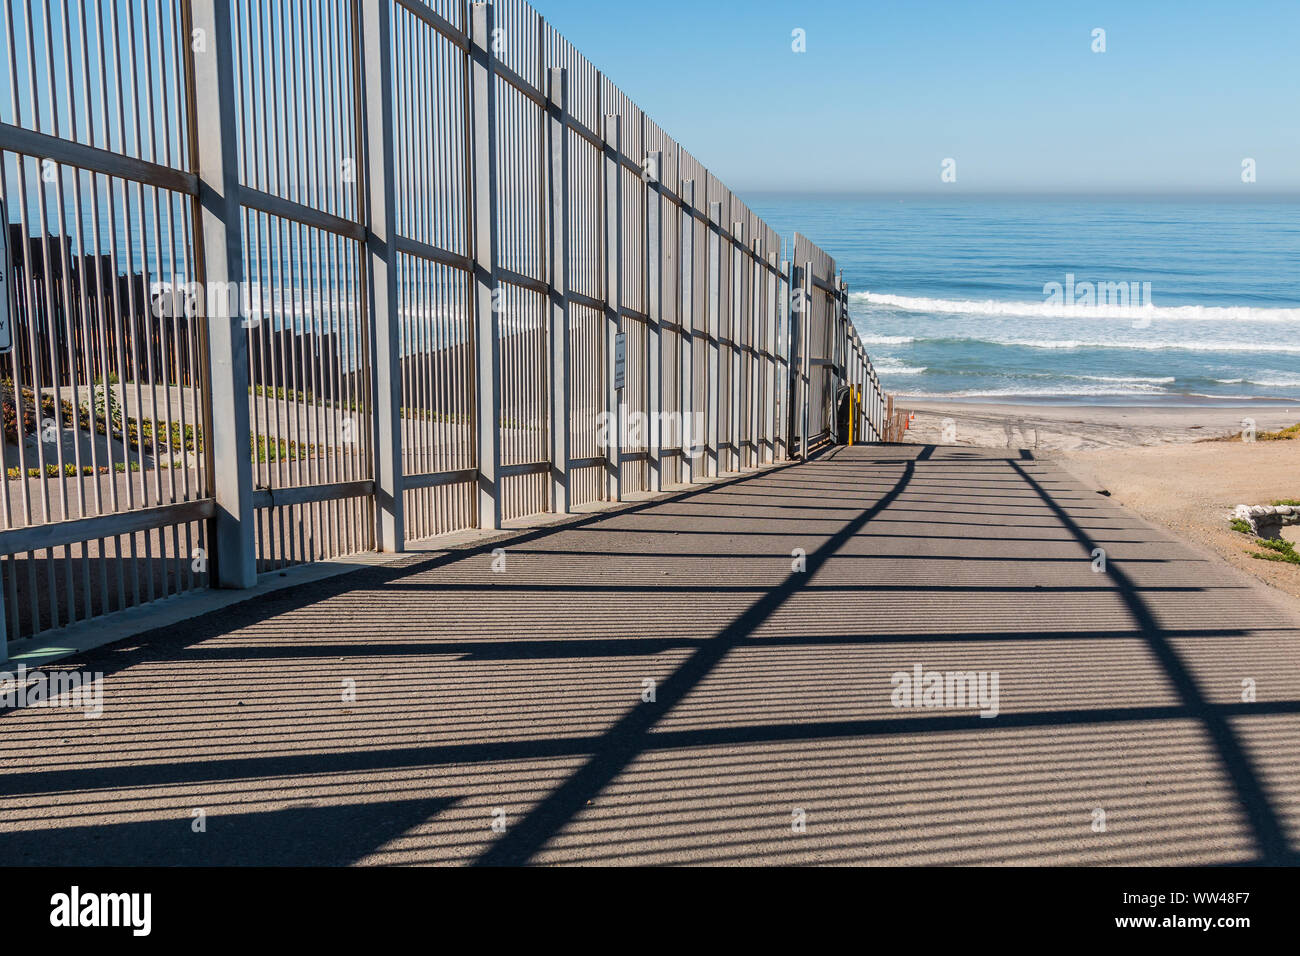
781 411
613 248
807 290
385 325
557 125
864 365
753 351
859 391
487 341
753 357
220 265
713 463
734 411
790 386
687 322
771 392
855 383
654 308
864 383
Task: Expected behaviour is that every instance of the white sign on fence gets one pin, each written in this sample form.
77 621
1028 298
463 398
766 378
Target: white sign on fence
6 297
620 359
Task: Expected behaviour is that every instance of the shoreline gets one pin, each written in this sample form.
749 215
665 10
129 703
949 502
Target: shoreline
1183 467
1067 428
1086 401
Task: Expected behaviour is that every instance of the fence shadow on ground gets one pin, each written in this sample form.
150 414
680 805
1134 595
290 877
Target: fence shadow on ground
518 696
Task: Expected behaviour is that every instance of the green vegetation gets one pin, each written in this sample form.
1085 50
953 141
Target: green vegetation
1290 433
1276 549
297 395
1285 434
149 435
265 448
70 470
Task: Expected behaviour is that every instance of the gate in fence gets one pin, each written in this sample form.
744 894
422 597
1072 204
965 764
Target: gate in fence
292 281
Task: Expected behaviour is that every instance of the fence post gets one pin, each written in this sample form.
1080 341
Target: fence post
793 330
687 322
734 415
781 363
487 340
613 160
858 391
557 126
654 306
771 399
753 345
841 343
385 330
875 403
713 463
878 406
219 257
758 342
865 375
806 292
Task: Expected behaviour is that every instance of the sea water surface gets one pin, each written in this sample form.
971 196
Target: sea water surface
953 298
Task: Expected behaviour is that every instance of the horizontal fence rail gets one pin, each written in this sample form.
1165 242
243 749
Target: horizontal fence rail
295 281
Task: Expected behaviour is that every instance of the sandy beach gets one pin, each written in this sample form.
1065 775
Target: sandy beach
1181 467
1075 428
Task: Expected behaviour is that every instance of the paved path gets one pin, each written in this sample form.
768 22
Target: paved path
518 696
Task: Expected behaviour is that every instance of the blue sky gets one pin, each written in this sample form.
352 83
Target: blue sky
1010 89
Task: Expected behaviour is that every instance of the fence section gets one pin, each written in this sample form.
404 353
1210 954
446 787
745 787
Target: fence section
836 393
292 281
105 499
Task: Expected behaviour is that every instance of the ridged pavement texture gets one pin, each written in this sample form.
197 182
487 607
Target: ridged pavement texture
515 697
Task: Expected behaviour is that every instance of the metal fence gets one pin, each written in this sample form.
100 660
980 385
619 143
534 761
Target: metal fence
295 280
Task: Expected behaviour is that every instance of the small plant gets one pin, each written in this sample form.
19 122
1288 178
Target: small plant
1284 434
1240 524
1276 549
1286 501
268 449
107 404
70 470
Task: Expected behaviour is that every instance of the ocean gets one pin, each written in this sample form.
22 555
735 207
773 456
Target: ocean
1067 300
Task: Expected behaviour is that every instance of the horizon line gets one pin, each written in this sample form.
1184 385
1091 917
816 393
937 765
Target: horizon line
1028 194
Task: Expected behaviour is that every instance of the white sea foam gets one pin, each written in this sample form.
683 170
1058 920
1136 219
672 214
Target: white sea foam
1146 346
1276 382
1049 310
1064 390
886 339
887 366
1137 379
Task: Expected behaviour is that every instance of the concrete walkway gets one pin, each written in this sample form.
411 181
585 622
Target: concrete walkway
520 698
